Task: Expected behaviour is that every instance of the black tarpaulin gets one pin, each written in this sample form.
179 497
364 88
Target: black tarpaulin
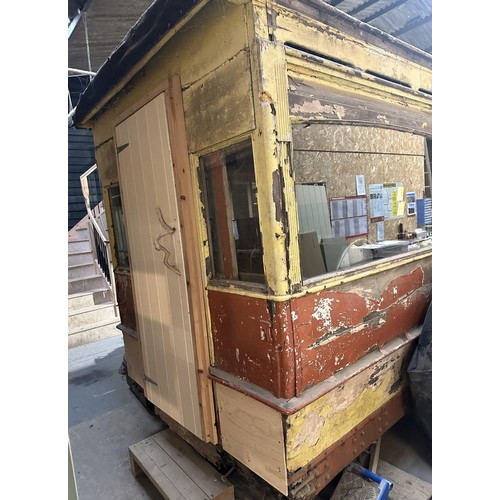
420 376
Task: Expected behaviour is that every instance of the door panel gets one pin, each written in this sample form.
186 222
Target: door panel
157 263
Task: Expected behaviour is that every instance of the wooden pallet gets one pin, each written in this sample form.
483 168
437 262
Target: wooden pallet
405 486
177 471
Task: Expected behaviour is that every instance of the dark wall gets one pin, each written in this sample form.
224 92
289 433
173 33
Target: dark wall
80 158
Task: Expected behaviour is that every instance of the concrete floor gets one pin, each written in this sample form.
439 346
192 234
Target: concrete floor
105 418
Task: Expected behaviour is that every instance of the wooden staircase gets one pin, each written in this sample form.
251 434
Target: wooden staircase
92 314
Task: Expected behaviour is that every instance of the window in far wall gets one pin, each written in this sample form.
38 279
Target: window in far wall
428 169
121 246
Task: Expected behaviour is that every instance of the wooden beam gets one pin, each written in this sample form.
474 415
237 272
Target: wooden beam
191 245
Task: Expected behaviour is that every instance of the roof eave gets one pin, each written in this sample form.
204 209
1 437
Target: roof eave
148 34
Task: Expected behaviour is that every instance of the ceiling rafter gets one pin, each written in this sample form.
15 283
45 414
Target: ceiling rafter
333 3
361 7
414 23
383 11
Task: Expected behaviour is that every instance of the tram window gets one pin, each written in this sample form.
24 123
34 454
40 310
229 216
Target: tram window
343 224
232 214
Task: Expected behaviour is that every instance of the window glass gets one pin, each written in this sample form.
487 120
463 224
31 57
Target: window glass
361 195
121 247
232 214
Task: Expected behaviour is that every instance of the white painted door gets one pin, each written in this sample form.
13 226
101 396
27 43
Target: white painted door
157 264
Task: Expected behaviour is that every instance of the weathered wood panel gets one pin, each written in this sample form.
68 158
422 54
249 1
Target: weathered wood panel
315 428
287 347
241 332
324 13
197 49
272 165
106 162
162 307
350 138
253 434
219 106
125 298
253 340
291 27
313 100
336 327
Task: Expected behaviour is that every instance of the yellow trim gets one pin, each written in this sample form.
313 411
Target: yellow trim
321 283
299 29
343 78
201 227
266 56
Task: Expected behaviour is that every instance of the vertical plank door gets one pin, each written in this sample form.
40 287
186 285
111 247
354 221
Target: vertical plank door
157 264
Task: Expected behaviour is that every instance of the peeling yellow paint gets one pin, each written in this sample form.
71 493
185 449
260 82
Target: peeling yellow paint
315 106
297 29
328 419
316 285
271 161
346 80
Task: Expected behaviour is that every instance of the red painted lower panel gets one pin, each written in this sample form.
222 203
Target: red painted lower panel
336 327
286 347
253 340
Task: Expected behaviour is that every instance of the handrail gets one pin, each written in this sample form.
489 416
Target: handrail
86 195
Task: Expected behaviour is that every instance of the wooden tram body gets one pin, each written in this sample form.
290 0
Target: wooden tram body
206 120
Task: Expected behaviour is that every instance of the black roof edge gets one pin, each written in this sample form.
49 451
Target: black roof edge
153 24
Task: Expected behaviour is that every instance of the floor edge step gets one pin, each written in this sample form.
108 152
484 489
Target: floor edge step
95 307
92 326
88 292
177 470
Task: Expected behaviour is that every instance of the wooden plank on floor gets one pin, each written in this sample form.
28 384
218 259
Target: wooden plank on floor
183 483
140 459
405 485
194 466
177 470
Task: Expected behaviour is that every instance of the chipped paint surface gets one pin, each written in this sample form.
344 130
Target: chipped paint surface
318 37
334 328
278 341
253 340
356 98
314 107
322 311
320 424
286 347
